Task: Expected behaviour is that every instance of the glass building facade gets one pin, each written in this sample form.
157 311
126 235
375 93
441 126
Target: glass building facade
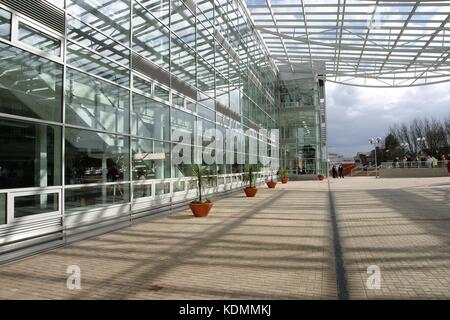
302 125
91 92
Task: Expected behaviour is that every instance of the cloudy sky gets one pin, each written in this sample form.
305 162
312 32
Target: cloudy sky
355 114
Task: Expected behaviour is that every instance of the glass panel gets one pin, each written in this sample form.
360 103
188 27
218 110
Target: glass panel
35 204
2 208
94 40
96 104
183 169
30 86
39 40
93 157
207 9
182 61
93 197
192 185
150 118
110 17
177 100
151 159
222 91
179 186
205 77
161 93
30 154
182 22
142 84
234 100
5 24
162 188
222 169
95 64
221 61
150 37
205 112
191 106
184 123
205 41
142 190
158 8
206 125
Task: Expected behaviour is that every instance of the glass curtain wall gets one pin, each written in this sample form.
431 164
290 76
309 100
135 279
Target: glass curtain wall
300 124
92 109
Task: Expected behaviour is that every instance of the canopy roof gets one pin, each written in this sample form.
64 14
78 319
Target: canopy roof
367 43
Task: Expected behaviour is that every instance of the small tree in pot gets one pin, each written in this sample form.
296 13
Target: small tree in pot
284 175
250 178
201 206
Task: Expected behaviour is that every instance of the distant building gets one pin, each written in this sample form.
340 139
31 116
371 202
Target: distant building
363 158
335 158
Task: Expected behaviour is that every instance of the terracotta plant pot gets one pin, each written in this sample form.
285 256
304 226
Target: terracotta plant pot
250 192
200 209
321 177
284 180
271 184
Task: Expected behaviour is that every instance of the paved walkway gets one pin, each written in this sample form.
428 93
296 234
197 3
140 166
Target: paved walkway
279 245
403 227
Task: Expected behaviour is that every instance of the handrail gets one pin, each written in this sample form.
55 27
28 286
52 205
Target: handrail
414 164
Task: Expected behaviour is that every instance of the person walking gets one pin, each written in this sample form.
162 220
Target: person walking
334 171
341 171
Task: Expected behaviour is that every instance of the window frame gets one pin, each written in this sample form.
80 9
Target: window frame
11 219
16 19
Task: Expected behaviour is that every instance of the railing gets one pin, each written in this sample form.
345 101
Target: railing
414 164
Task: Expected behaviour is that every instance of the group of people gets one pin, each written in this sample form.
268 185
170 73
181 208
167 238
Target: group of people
337 171
424 161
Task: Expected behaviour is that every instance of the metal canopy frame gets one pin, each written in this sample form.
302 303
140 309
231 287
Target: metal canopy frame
374 43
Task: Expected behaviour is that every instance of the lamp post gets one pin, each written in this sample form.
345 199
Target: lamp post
376 142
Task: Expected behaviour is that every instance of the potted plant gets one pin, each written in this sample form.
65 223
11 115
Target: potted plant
321 177
250 178
284 175
271 184
201 207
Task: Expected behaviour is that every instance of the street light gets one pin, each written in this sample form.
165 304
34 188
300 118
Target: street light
376 142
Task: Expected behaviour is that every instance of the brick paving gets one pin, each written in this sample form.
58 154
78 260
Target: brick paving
403 227
278 245
274 246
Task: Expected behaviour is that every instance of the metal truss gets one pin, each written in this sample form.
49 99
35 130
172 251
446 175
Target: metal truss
375 43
